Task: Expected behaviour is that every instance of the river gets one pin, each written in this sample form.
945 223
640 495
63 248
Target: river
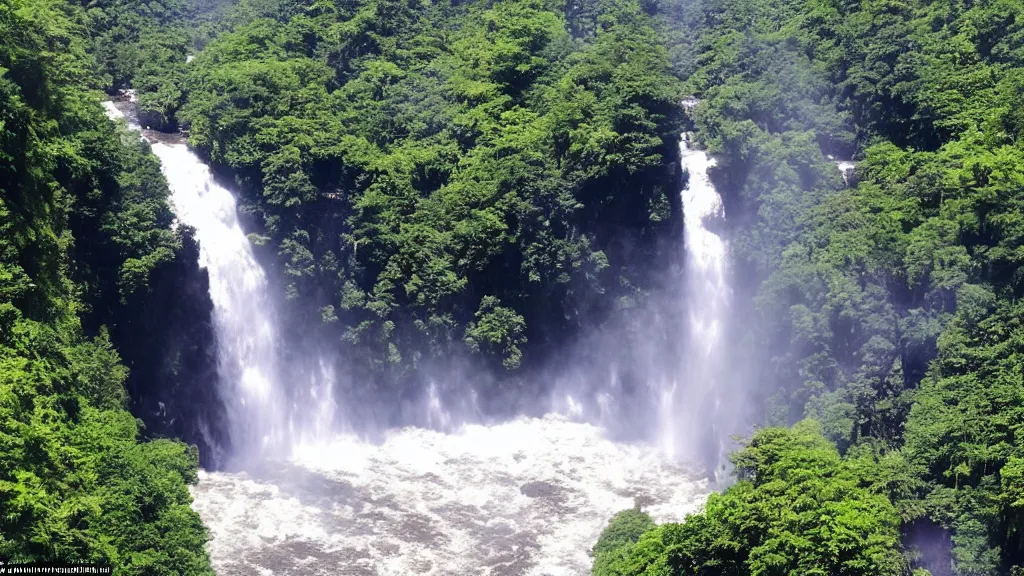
524 497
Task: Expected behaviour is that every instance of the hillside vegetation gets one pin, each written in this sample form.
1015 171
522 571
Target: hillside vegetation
887 311
84 229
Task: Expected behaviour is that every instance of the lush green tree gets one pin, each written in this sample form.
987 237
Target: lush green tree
444 180
616 540
962 431
85 226
797 508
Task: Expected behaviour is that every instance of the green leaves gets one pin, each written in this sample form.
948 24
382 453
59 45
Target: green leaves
621 534
962 428
436 160
76 483
86 230
797 508
497 329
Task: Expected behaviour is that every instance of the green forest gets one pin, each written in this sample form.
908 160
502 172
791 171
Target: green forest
86 242
480 182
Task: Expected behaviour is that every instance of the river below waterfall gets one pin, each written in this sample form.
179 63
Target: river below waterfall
527 497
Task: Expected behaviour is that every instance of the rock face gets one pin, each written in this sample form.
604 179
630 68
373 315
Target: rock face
538 489
150 119
848 169
156 120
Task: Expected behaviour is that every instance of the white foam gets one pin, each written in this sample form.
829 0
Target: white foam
527 497
687 397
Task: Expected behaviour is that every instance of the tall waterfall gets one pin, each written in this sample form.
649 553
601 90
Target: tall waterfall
244 320
263 416
526 497
691 399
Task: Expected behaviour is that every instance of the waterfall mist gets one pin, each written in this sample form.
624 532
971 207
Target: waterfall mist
441 472
668 378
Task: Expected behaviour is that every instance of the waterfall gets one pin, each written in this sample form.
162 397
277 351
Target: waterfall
679 390
690 399
244 320
263 417
529 496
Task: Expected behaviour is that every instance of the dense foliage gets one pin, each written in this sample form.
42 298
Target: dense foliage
798 508
886 309
437 180
146 46
84 230
618 538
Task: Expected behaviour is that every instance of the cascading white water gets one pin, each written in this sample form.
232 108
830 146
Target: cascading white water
847 169
527 497
691 398
243 311
523 498
260 412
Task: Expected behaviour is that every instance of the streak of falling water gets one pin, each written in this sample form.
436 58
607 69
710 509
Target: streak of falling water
249 367
312 420
690 400
243 311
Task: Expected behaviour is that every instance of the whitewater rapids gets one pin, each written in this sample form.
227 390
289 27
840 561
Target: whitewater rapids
524 498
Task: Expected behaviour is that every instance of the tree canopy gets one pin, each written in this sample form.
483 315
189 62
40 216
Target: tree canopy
444 180
85 229
797 508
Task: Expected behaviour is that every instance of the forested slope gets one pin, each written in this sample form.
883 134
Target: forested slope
84 231
145 46
440 181
435 182
886 311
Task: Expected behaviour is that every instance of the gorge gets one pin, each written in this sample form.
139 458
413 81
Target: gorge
626 287
298 495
